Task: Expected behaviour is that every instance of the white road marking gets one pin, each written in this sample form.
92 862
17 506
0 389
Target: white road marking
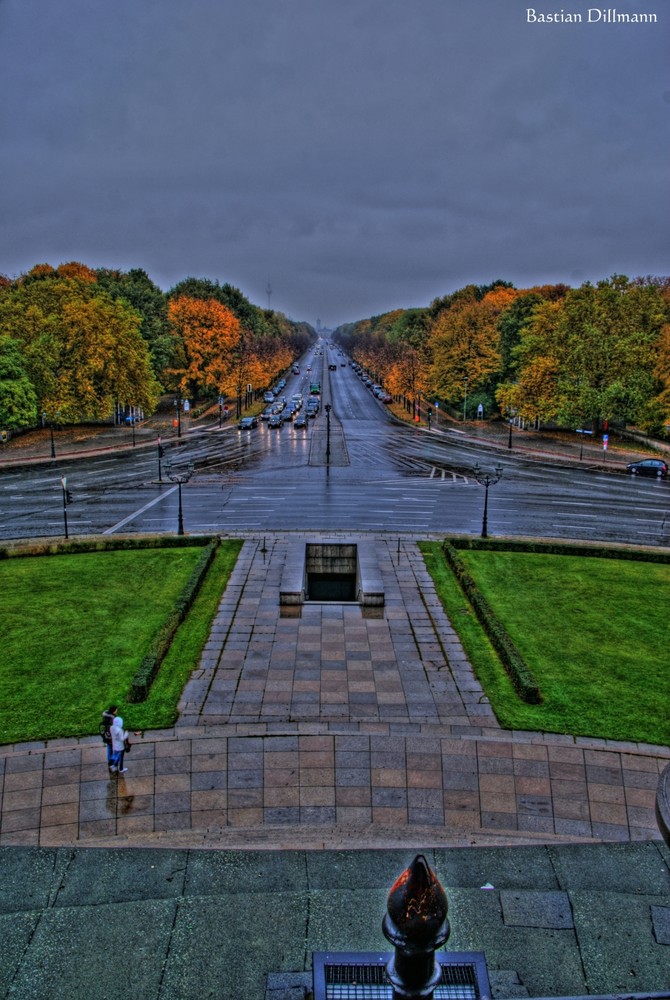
131 517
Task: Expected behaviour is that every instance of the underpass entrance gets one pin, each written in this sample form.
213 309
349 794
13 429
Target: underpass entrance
331 572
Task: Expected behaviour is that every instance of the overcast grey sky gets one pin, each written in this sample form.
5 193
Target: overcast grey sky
362 155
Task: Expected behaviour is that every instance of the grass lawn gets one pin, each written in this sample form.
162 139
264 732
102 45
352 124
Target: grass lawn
75 628
593 631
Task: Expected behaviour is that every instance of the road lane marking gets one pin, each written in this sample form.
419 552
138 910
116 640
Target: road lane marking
131 517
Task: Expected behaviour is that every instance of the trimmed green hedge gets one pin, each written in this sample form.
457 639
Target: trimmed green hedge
594 550
106 544
150 665
519 672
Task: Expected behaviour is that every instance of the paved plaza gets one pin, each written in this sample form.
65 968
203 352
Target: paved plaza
326 725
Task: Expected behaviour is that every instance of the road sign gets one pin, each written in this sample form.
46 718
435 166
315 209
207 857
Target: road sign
605 440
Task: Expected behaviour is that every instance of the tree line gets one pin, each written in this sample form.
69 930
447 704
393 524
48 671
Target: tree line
571 357
79 345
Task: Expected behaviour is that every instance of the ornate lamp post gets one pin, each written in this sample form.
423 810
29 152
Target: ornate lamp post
486 480
180 478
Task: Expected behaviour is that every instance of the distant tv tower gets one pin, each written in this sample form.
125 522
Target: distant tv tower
268 291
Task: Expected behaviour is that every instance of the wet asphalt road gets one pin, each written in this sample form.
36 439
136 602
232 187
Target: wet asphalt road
381 477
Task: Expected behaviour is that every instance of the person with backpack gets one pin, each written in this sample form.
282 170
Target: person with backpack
119 737
108 717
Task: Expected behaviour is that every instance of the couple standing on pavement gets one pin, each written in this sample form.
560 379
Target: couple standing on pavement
115 738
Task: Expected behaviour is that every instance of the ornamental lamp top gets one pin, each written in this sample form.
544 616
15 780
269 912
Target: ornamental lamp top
417 903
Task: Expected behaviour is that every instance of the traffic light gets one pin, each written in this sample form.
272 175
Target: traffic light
161 450
68 497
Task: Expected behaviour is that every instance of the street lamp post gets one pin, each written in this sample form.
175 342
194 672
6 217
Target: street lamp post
51 429
180 478
486 480
161 452
509 440
465 400
177 403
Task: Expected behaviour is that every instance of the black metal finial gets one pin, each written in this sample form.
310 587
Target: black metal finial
416 925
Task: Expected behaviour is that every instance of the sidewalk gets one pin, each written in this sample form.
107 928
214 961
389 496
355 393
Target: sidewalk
331 729
34 448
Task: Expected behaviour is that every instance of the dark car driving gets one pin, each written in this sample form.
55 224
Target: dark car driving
248 423
649 467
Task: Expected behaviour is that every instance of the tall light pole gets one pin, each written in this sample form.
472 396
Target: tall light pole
180 478
465 400
486 480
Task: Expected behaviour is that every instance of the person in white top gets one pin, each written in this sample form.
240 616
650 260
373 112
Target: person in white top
119 736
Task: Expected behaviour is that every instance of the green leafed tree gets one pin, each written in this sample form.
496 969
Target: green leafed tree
18 402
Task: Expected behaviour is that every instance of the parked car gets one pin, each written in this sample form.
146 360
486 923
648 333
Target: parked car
248 423
269 397
276 420
649 467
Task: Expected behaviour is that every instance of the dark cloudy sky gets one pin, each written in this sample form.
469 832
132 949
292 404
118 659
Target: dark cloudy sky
362 155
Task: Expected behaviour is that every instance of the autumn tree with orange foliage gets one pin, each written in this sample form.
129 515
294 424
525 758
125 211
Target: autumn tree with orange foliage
207 337
465 343
83 353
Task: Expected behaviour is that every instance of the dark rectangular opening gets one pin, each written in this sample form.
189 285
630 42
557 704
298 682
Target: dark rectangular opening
331 587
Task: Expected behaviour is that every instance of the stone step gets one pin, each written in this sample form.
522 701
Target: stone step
333 838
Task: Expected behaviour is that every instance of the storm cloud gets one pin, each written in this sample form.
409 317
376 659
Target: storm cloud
360 155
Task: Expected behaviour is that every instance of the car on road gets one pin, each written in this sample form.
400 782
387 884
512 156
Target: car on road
248 423
300 421
332 368
649 467
267 412
276 420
